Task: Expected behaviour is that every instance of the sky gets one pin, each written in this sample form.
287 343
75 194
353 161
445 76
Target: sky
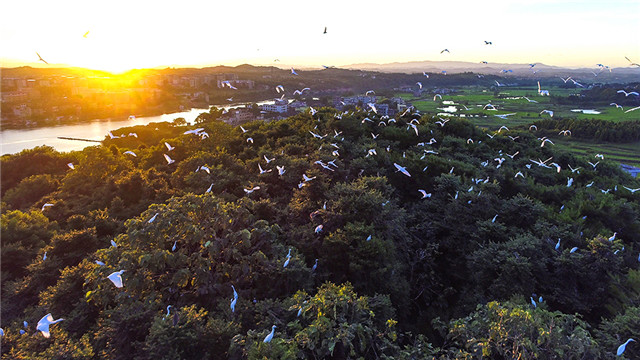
144 34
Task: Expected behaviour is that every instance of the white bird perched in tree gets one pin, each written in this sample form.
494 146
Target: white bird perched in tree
173 248
169 146
113 243
402 169
574 249
249 191
116 278
286 262
263 171
542 92
569 182
318 229
546 141
233 304
558 244
315 266
424 194
131 153
590 184
169 160
270 336
71 166
46 206
99 263
281 170
613 237
44 323
44 257
152 218
627 93
623 347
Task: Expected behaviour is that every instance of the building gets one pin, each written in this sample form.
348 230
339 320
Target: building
279 106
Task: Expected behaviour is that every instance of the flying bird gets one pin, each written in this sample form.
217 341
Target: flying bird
71 166
488 42
293 72
169 160
627 93
116 278
85 35
41 59
45 206
169 146
44 323
445 50
631 62
402 169
325 30
131 153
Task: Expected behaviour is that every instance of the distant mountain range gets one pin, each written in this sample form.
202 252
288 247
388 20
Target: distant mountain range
625 74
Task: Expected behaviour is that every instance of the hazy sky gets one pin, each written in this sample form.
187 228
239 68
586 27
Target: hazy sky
134 34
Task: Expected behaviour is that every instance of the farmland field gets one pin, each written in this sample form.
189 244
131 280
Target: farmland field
470 101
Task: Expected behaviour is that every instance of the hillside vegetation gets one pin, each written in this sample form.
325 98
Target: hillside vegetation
356 236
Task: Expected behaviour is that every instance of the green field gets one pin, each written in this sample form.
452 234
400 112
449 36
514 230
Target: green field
510 100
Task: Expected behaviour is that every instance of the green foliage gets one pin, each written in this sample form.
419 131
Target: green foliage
389 262
510 331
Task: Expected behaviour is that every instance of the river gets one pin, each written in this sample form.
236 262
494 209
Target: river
13 141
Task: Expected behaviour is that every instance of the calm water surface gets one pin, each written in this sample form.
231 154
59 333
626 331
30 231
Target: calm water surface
14 141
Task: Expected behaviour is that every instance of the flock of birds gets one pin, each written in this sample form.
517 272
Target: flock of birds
370 117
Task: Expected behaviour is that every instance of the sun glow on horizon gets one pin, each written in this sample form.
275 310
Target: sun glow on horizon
133 35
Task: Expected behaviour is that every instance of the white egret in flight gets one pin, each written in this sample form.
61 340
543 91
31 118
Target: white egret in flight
402 169
43 324
627 93
45 206
630 189
169 160
70 165
293 72
131 153
116 278
41 59
249 191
